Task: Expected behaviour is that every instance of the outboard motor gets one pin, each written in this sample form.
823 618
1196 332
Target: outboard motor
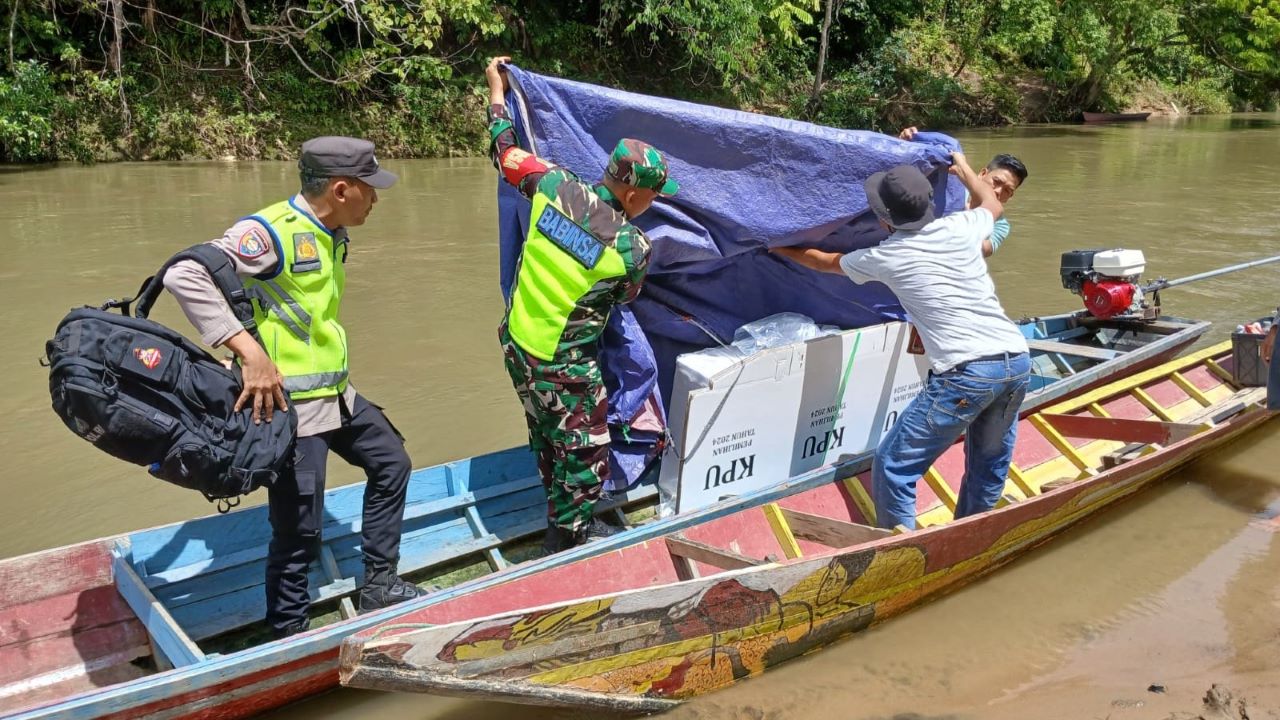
1107 280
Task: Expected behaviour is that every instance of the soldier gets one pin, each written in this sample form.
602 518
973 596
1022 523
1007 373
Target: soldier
581 257
292 256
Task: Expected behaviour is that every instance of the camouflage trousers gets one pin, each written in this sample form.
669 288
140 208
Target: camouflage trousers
566 408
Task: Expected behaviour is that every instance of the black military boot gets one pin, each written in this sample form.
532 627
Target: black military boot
599 529
289 631
558 538
383 587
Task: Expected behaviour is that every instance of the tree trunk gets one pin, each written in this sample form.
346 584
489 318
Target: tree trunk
116 56
822 52
13 24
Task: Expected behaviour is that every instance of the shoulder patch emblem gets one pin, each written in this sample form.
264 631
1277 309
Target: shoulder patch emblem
251 244
514 157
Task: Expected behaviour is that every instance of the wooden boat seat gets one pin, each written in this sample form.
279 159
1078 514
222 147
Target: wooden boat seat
1063 348
685 552
830 531
1206 418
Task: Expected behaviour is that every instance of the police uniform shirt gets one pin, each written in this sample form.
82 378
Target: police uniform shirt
248 245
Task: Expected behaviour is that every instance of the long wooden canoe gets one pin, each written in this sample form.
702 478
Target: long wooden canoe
165 622
654 623
1095 117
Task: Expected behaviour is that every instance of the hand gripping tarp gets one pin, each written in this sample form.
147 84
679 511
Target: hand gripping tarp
747 183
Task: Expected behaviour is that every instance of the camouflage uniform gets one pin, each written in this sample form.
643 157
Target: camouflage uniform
565 407
561 388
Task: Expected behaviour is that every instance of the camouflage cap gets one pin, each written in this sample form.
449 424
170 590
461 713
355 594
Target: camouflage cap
639 164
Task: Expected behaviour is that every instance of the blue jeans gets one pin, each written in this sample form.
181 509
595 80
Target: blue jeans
979 399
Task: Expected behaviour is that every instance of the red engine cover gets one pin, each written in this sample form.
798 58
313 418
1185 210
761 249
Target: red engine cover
1107 298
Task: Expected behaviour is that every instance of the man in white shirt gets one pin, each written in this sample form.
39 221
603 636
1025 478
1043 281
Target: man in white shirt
979 358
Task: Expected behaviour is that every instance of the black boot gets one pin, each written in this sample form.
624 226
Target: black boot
558 538
299 627
599 529
383 587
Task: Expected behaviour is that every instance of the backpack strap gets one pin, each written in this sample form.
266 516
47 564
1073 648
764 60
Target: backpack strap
224 278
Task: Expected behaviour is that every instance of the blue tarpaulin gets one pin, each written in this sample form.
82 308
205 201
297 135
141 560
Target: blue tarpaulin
747 182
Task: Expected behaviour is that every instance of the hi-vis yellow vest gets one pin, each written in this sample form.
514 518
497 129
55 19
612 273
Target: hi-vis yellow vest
560 262
297 308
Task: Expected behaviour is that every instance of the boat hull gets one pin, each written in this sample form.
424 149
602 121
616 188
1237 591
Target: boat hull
248 682
671 641
1092 117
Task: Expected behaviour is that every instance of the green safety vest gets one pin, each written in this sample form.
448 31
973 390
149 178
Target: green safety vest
560 262
296 307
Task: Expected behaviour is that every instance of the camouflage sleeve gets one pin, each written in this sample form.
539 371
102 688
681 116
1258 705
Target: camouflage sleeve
634 247
519 167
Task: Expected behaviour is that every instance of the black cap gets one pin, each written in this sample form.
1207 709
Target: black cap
901 197
335 156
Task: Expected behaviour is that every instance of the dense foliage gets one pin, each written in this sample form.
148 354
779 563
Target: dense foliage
169 79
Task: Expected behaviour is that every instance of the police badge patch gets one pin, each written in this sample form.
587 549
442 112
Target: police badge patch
306 253
251 245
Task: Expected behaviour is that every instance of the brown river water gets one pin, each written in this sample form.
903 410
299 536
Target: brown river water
1178 588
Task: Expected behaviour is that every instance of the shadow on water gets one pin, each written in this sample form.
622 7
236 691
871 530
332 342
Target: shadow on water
20 169
1266 122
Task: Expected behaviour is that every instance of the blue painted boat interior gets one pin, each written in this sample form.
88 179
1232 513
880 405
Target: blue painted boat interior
208 573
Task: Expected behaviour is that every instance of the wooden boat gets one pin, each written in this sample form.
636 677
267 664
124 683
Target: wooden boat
1096 117
654 623
164 622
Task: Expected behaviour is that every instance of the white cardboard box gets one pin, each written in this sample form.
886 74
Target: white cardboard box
742 424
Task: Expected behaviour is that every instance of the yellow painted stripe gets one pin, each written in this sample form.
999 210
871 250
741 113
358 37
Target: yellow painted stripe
782 531
1159 410
1190 388
1056 439
941 489
1133 381
862 499
1098 410
1220 371
1020 481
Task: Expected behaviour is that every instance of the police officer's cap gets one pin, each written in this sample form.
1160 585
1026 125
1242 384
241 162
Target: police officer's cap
336 156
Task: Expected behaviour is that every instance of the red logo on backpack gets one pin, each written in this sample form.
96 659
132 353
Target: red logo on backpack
150 357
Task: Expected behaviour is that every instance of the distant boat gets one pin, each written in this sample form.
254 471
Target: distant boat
1093 117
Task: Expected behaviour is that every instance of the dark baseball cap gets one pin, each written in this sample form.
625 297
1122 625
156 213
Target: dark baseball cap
639 164
336 156
902 197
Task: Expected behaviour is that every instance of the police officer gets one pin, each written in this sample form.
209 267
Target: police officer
292 257
581 257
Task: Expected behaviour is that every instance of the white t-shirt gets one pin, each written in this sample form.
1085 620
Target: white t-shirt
940 277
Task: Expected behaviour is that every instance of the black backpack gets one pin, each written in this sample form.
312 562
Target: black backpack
144 393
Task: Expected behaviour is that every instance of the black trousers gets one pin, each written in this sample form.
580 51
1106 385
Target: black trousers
296 503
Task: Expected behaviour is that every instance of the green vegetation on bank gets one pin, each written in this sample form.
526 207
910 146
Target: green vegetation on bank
96 80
